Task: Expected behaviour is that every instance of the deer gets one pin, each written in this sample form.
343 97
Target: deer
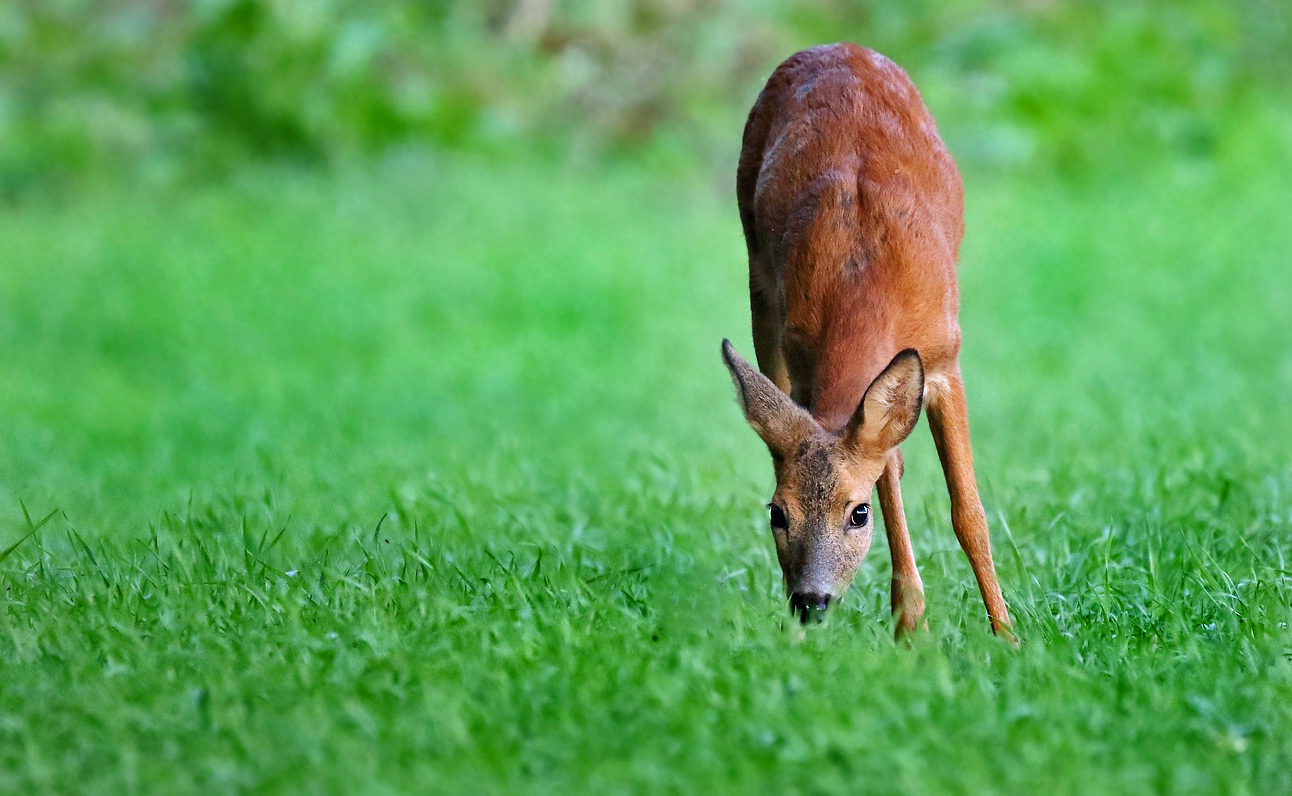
853 211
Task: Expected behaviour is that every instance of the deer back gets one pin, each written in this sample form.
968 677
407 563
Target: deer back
853 211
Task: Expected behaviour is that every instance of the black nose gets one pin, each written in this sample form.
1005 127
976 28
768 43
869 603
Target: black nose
809 607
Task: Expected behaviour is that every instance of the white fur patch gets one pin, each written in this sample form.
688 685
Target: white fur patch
935 384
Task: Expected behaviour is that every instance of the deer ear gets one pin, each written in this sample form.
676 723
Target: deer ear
780 422
890 408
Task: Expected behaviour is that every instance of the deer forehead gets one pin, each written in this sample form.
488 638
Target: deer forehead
822 477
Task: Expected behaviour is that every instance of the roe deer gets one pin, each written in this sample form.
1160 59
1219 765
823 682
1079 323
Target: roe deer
853 211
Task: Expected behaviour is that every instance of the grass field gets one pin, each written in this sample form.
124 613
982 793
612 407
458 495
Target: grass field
430 479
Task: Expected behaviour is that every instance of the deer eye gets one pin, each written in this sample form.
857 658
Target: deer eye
860 516
777 516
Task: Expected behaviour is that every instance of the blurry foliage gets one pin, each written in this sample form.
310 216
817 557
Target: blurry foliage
163 87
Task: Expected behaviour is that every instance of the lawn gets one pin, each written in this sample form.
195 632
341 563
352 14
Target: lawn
429 478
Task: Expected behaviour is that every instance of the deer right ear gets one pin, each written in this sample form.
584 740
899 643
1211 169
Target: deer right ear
780 422
890 408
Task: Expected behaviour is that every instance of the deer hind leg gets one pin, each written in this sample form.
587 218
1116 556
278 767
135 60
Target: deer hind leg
908 589
949 421
768 328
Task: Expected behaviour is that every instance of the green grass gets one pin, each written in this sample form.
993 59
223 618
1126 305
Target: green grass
430 479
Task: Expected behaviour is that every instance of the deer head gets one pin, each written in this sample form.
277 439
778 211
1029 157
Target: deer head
820 512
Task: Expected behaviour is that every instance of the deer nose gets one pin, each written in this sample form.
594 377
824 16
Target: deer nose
808 607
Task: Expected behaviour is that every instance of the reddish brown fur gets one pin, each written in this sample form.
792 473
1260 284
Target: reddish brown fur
853 211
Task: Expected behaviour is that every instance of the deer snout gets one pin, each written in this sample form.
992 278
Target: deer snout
809 607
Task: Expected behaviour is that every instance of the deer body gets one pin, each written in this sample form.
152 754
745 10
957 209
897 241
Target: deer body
853 211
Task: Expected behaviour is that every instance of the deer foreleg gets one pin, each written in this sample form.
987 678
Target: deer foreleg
949 421
907 589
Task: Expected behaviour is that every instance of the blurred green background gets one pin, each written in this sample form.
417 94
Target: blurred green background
168 89
363 429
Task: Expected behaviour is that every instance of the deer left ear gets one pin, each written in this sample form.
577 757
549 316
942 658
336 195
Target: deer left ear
890 408
780 422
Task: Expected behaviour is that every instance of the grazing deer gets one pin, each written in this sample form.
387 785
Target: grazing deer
853 211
